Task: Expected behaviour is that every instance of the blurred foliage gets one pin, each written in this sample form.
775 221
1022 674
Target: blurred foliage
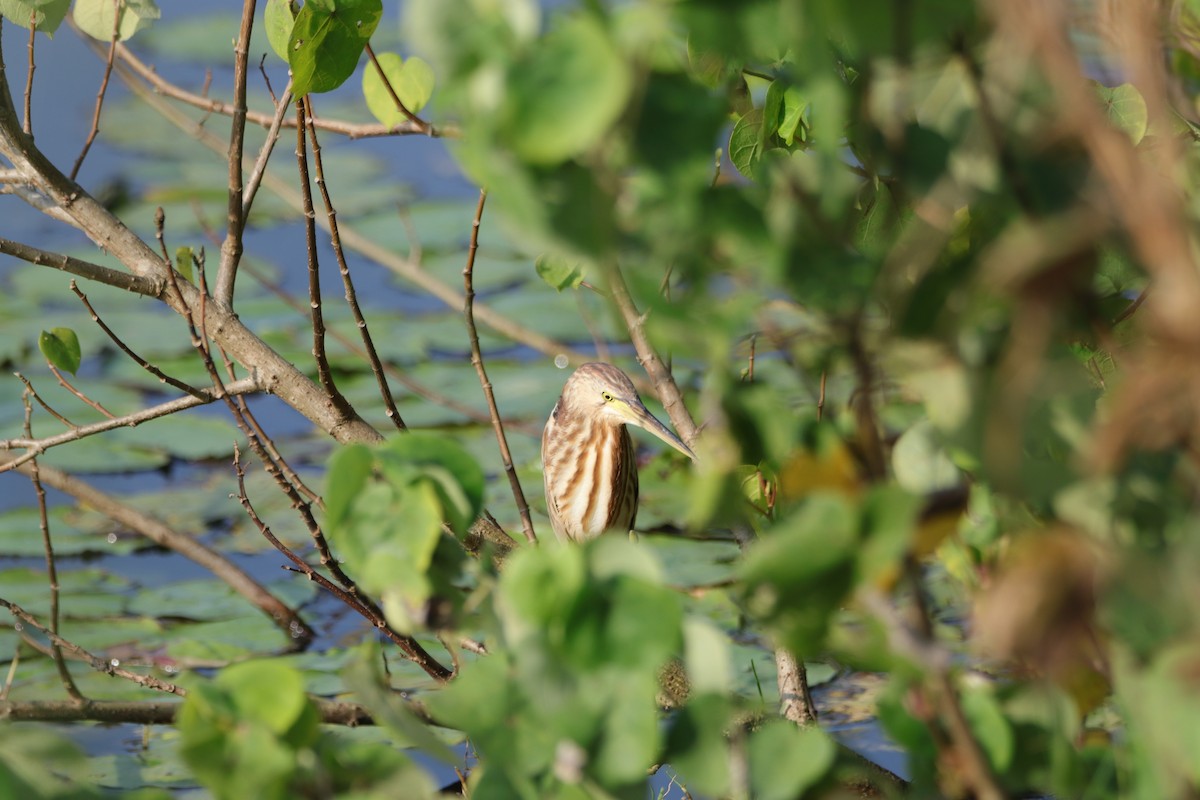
902 289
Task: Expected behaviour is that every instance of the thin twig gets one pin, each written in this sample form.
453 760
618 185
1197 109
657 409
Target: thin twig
12 673
71 201
324 373
664 383
353 130
406 269
100 94
141 362
416 387
477 361
821 396
36 447
921 647
187 546
45 406
412 649
1132 308
231 249
360 321
64 674
83 269
66 384
27 125
264 153
107 666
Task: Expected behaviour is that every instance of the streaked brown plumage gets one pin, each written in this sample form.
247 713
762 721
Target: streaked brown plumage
588 462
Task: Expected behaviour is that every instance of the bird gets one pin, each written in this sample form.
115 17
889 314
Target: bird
589 467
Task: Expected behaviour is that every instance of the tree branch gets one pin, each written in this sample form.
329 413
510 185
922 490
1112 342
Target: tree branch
36 447
188 547
664 382
477 361
405 268
149 286
276 374
353 130
231 248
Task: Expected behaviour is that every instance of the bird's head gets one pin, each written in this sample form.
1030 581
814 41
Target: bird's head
605 395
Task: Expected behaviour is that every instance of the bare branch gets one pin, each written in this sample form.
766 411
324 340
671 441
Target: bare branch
187 546
664 382
100 93
795 700
407 269
36 447
108 666
151 287
60 664
935 663
324 373
276 373
164 712
264 154
348 284
477 361
28 124
231 249
164 87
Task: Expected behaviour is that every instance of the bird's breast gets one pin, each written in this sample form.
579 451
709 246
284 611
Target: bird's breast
590 477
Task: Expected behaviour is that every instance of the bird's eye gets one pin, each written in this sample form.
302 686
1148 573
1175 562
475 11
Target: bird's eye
607 396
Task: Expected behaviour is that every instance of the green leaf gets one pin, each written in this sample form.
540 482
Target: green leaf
991 729
797 575
451 470
888 521
745 142
347 473
786 760
47 15
539 586
278 20
60 346
565 94
793 114
327 40
269 692
630 738
364 677
772 114
96 17
696 745
559 272
184 263
1125 108
412 80
706 652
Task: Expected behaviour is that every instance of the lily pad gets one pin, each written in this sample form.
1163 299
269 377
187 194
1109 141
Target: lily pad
225 640
20 535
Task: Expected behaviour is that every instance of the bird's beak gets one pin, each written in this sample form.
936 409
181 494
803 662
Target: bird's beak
637 414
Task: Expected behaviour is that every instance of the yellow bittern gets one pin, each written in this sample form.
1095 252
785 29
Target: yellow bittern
589 467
